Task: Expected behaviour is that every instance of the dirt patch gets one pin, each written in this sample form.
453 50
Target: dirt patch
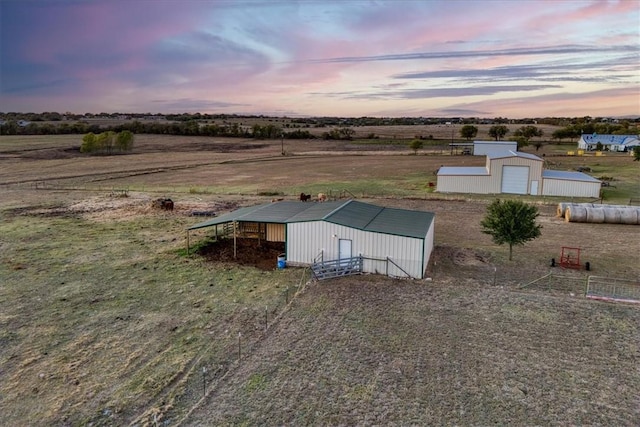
250 252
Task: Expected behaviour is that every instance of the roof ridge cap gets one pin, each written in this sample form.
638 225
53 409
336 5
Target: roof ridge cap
327 216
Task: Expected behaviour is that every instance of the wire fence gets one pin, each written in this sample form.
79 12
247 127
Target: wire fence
221 358
594 287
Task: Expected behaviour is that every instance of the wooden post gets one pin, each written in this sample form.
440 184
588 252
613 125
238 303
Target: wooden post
235 225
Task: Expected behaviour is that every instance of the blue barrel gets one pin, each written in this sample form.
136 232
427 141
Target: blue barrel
282 261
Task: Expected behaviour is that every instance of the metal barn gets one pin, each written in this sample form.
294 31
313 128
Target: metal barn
395 242
510 172
514 172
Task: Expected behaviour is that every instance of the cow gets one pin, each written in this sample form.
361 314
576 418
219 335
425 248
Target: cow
305 197
322 197
166 204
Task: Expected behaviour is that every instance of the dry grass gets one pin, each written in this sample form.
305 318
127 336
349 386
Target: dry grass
451 352
103 322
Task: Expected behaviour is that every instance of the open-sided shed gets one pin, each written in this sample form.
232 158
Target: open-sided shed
397 242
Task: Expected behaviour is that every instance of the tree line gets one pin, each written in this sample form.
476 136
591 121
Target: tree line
188 128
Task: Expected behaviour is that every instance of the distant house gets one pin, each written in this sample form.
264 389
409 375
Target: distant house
23 123
590 142
515 172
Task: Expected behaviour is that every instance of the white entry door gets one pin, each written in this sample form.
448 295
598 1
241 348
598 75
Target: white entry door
534 188
344 249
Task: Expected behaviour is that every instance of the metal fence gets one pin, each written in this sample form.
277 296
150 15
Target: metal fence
594 287
552 282
336 268
613 289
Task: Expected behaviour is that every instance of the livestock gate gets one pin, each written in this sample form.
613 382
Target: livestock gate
592 287
612 289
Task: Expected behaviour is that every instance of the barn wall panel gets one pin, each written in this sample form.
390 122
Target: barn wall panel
306 240
428 246
481 184
568 188
275 232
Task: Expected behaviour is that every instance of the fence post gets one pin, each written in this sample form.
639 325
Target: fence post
586 288
204 381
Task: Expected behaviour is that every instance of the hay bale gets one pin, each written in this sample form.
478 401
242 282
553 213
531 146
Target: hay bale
575 214
612 215
629 216
595 215
562 209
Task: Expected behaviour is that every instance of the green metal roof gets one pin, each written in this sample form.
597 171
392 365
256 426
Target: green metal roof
399 222
276 212
350 213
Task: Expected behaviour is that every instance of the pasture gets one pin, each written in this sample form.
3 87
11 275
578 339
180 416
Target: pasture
105 321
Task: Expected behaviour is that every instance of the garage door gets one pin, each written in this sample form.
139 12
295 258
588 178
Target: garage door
515 179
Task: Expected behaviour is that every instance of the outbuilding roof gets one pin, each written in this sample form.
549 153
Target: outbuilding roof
505 143
568 175
625 140
350 213
512 153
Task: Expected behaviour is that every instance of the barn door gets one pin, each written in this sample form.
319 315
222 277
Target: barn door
515 179
344 250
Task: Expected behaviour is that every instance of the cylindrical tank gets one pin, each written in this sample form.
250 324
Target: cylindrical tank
282 261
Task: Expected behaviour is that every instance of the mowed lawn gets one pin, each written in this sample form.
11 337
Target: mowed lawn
104 320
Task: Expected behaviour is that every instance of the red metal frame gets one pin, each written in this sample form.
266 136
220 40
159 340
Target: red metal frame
570 257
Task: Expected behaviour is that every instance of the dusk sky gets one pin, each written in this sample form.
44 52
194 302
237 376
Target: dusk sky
513 58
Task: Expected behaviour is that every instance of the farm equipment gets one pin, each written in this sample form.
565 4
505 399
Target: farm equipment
570 257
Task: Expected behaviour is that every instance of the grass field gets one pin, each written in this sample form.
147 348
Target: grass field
105 321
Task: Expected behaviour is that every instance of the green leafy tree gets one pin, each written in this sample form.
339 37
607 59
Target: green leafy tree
522 141
512 222
124 140
89 143
528 132
415 145
106 141
468 131
498 131
561 134
636 153
347 133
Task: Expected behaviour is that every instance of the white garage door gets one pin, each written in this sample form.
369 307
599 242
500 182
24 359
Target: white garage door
515 179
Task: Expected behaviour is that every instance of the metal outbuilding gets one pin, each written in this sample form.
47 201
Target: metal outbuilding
567 183
514 172
397 242
492 148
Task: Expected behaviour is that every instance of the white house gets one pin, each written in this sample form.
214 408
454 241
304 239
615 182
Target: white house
397 242
514 172
590 142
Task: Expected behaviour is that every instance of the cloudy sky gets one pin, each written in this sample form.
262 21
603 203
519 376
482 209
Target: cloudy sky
332 58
